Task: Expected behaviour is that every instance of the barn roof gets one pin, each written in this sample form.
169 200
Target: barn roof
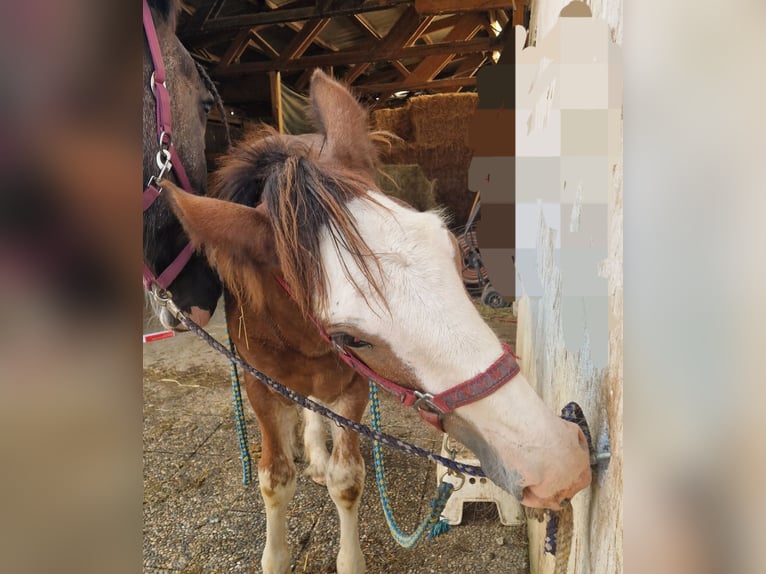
387 50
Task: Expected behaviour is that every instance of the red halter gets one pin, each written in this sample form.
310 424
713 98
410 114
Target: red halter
167 157
432 408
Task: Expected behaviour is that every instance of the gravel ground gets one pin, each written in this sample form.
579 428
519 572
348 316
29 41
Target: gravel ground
199 517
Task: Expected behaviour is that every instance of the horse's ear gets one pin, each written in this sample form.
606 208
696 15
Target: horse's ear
343 121
223 227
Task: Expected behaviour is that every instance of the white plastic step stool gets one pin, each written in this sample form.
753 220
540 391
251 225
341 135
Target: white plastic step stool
474 489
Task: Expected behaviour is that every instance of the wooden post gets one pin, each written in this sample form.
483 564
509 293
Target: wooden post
275 79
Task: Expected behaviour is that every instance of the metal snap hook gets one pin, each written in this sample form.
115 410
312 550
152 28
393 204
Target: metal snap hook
164 162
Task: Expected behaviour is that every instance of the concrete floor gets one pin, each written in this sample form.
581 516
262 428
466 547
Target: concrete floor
199 517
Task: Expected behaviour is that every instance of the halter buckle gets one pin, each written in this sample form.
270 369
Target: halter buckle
426 400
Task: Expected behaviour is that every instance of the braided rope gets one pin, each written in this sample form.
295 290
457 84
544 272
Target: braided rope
239 413
565 525
307 403
560 525
443 491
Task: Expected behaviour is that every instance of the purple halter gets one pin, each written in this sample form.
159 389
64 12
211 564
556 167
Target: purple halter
167 156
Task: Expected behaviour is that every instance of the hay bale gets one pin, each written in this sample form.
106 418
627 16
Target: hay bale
398 152
408 183
442 119
394 120
449 165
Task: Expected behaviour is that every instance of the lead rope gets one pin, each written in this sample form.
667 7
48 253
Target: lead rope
431 523
458 467
560 525
239 413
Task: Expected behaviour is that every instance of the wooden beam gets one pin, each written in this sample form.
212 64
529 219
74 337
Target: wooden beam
518 14
355 72
469 66
454 6
364 26
349 57
447 84
303 39
275 80
404 32
236 48
265 47
430 67
285 15
401 68
442 23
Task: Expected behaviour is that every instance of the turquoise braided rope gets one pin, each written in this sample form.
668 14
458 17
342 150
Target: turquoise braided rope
443 492
239 413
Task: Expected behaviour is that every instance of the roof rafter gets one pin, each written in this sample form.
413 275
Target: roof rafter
349 57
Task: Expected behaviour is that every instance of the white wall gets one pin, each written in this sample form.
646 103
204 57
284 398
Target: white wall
569 251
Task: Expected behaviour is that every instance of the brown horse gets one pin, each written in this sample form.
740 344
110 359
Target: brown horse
196 289
382 279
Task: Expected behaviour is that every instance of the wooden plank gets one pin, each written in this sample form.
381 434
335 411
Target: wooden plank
403 33
469 66
442 24
303 39
265 47
349 57
401 68
455 6
355 72
275 80
236 48
518 13
364 26
285 15
430 67
446 84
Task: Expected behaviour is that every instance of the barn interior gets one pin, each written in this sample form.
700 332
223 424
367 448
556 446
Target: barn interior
413 63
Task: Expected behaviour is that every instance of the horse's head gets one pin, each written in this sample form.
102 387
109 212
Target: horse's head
197 288
382 279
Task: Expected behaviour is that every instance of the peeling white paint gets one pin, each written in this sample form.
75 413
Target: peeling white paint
562 373
574 221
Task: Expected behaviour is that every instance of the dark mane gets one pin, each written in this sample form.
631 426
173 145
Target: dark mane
303 195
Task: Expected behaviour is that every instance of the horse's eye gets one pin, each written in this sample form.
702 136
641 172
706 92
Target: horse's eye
207 105
349 341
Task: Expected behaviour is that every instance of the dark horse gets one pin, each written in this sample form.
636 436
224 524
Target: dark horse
300 233
196 289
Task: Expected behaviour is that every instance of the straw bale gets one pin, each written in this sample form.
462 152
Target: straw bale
399 152
449 165
442 118
394 120
408 183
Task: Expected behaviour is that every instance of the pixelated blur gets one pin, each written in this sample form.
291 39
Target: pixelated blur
694 286
70 237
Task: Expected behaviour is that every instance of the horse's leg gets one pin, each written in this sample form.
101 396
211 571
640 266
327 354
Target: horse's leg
276 471
315 447
345 478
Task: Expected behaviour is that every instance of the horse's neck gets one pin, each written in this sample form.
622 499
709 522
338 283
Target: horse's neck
274 323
